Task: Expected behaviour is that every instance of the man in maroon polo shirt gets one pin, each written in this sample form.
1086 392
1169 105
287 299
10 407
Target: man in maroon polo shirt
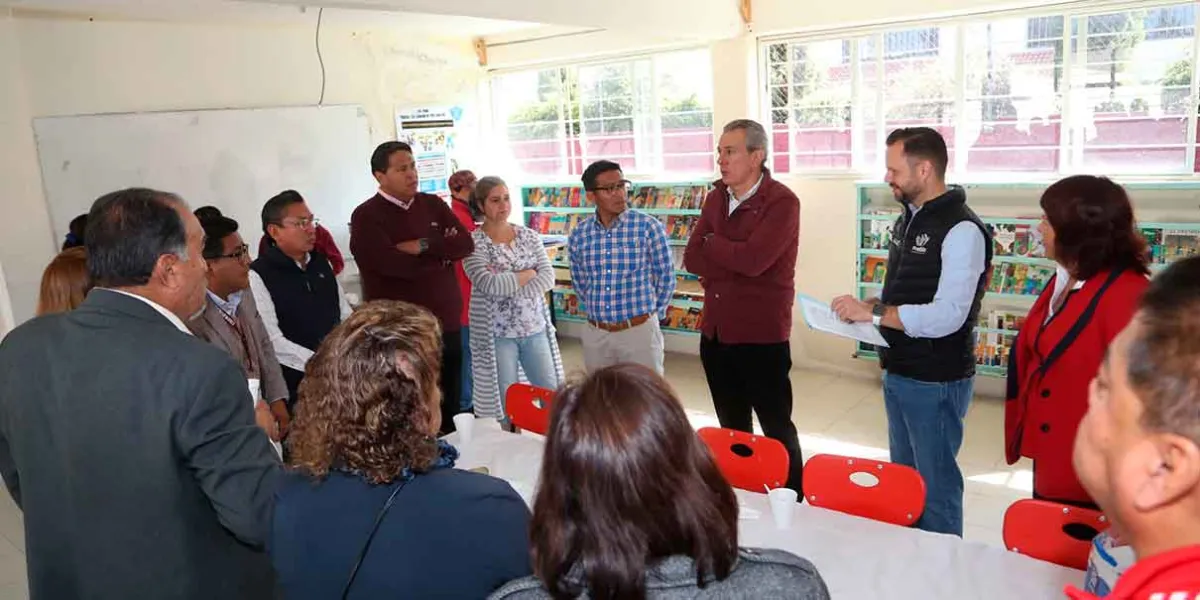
744 250
405 244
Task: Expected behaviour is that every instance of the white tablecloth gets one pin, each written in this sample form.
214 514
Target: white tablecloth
859 559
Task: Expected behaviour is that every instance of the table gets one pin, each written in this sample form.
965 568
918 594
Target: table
858 558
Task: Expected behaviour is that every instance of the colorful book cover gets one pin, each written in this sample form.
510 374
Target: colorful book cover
874 269
1180 244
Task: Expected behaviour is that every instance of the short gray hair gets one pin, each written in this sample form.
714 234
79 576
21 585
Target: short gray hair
756 136
483 187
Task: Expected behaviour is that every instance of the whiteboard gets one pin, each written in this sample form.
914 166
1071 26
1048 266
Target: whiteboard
233 159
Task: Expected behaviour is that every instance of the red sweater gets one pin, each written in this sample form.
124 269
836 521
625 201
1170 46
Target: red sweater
748 263
1041 421
464 284
378 225
1166 576
324 244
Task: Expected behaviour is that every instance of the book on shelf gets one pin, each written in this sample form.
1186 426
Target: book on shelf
1016 240
1008 320
554 197
679 227
876 235
1178 245
991 350
1018 279
555 223
684 318
679 197
874 269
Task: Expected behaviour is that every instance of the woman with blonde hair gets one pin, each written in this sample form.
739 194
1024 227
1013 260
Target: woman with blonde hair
373 507
511 331
65 282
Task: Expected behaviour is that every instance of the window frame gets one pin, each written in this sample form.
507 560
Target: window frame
496 124
1070 154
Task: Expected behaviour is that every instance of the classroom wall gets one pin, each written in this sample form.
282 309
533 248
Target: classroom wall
71 66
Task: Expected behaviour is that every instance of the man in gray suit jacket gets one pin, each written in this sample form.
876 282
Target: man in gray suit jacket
129 444
230 320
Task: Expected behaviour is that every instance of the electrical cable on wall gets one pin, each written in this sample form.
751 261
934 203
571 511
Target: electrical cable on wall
320 59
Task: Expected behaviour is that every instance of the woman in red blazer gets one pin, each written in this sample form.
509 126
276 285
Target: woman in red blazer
1088 229
462 184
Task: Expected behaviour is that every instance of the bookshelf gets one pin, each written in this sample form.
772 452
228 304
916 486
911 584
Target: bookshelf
556 209
1169 214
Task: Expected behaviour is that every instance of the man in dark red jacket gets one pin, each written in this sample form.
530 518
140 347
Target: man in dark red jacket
744 250
1138 447
405 244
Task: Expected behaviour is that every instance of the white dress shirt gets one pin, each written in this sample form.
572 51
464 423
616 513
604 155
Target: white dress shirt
290 354
397 201
1061 277
735 202
168 315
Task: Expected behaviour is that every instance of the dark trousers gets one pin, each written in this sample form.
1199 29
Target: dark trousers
755 377
292 378
451 378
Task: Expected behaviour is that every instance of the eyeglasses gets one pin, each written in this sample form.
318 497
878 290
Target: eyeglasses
622 186
303 223
238 253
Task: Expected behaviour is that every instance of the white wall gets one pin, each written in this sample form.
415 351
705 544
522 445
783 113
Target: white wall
66 66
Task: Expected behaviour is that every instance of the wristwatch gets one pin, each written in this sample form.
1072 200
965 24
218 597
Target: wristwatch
877 311
424 245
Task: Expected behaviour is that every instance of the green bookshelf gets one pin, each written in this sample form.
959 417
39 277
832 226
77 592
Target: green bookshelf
1020 268
556 209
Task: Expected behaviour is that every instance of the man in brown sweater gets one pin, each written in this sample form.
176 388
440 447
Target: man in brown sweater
744 250
405 244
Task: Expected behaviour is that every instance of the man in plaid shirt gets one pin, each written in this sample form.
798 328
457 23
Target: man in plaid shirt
622 272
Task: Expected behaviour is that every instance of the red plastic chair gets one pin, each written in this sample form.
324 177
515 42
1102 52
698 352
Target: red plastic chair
746 460
1052 532
891 493
528 407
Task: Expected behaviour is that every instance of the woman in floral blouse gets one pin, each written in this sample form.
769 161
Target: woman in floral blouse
511 330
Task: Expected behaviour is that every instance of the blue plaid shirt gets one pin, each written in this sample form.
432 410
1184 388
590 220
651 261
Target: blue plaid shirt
624 271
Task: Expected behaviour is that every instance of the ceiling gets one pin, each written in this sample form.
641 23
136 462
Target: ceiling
257 11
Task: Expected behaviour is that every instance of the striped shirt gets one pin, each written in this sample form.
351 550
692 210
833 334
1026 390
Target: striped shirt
624 271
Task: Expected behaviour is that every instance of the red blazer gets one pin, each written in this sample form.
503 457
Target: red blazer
464 216
1043 410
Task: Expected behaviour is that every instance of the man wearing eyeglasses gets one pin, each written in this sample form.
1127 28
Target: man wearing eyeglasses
298 296
622 273
230 321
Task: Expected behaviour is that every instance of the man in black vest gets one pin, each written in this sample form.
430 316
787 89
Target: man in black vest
298 296
938 263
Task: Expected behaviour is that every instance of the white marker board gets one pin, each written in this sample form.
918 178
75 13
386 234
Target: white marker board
233 159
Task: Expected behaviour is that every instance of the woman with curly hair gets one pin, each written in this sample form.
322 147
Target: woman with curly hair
373 507
1089 230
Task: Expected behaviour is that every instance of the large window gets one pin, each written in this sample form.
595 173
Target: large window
653 115
1107 92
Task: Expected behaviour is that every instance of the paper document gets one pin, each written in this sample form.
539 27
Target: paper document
819 316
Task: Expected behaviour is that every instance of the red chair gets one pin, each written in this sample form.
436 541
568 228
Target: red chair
746 460
882 491
1052 532
528 407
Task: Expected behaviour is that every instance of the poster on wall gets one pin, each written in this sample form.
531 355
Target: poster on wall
433 135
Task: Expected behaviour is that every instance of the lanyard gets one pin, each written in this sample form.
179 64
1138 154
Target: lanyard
235 324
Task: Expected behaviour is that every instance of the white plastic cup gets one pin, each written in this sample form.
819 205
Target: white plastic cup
464 423
783 505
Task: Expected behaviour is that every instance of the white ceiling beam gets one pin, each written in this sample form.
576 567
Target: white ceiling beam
696 19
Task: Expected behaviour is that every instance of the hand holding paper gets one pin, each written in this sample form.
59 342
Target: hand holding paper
819 316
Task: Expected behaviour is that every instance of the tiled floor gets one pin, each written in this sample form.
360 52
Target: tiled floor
834 414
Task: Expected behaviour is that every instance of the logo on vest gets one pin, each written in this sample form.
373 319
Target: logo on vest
919 246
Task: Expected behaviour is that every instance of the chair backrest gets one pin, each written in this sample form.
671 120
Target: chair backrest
528 407
874 489
746 460
1052 532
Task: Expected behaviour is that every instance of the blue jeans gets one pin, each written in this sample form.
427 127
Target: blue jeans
534 356
468 381
925 431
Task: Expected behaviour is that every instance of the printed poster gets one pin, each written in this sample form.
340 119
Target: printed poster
432 133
